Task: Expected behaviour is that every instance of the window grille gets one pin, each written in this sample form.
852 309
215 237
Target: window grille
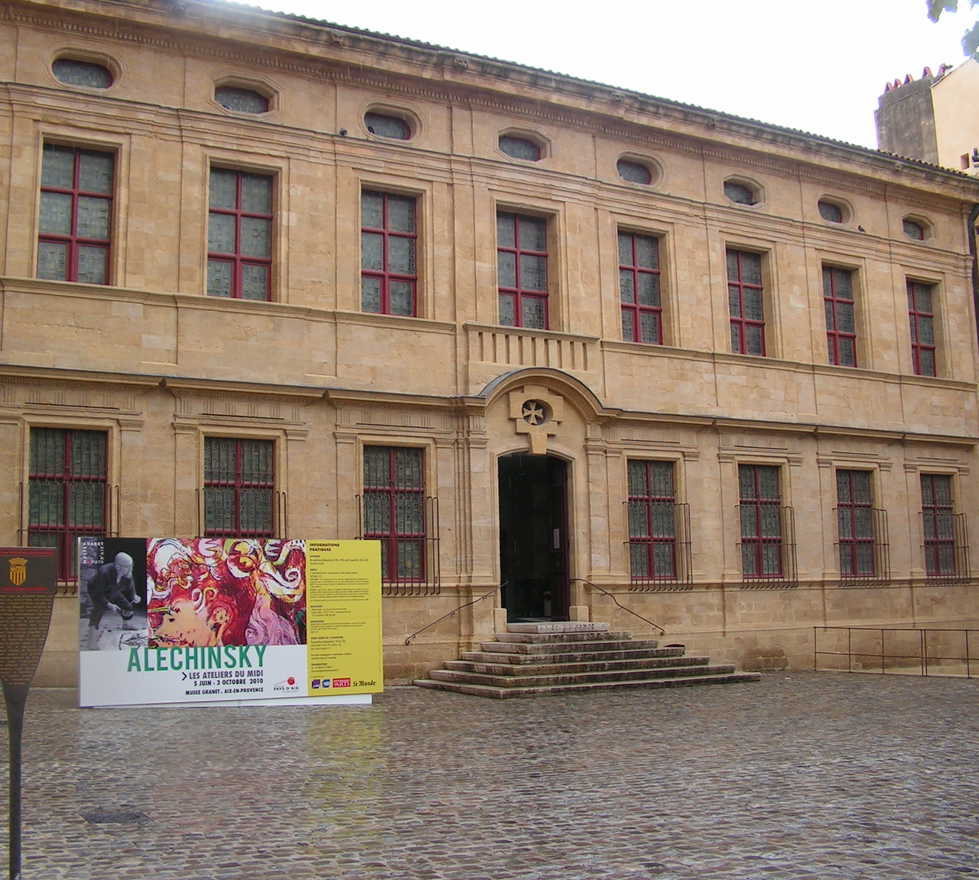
68 491
864 551
239 488
75 222
521 261
239 235
662 562
395 510
388 239
861 530
659 528
767 545
945 533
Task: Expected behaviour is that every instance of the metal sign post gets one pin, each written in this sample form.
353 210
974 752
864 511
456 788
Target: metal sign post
28 582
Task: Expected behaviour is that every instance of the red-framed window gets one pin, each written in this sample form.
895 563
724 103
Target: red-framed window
938 522
921 314
239 488
841 328
75 222
67 491
746 298
652 521
639 288
855 522
521 264
388 239
239 235
913 229
394 509
761 521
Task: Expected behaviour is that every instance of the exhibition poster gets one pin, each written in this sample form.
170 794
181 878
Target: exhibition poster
196 620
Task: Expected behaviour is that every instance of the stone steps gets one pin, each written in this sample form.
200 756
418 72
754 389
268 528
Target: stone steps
531 659
571 657
571 666
480 690
622 642
577 677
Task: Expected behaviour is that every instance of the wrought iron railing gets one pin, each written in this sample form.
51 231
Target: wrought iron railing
896 650
946 553
787 573
879 571
426 580
670 568
611 596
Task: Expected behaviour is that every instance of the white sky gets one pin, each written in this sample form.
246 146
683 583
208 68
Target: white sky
815 65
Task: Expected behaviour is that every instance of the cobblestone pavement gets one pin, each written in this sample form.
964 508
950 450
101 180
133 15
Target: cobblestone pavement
798 776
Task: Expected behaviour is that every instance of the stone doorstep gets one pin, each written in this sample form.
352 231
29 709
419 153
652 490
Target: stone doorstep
536 657
571 648
503 693
557 626
560 638
523 670
510 681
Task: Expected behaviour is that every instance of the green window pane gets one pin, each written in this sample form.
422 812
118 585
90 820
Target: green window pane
93 217
92 264
52 261
58 167
55 213
95 172
219 275
372 210
256 193
223 189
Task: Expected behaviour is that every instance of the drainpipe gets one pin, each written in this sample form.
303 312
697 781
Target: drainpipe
971 231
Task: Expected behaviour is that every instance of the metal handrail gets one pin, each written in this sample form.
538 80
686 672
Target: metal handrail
617 602
453 611
922 657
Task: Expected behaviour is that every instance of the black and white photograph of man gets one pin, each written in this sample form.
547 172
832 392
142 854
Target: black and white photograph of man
113 585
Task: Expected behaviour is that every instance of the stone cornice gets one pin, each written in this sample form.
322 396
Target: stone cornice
324 51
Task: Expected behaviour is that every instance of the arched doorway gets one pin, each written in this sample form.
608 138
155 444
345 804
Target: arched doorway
533 492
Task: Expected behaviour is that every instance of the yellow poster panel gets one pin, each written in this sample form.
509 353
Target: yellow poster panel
343 623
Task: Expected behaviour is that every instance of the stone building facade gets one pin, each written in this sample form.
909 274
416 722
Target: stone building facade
551 341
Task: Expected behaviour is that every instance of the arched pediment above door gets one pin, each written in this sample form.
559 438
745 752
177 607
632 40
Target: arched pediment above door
538 402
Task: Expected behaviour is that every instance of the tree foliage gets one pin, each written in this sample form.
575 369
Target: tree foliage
970 41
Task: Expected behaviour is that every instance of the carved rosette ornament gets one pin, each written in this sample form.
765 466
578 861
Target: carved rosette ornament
537 412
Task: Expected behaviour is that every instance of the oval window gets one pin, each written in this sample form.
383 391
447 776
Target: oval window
740 193
82 73
914 229
385 125
634 172
241 100
520 148
830 211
